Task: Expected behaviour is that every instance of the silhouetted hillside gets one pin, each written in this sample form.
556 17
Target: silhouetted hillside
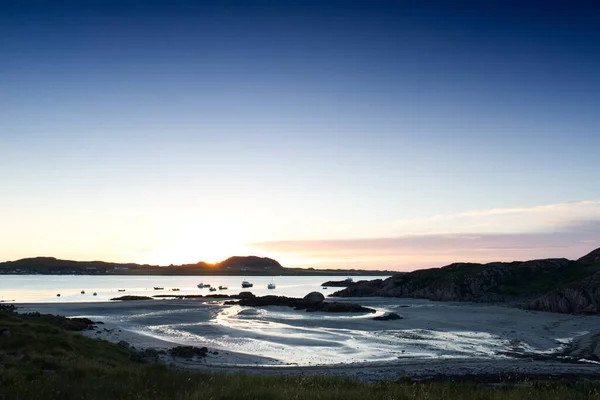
248 265
546 285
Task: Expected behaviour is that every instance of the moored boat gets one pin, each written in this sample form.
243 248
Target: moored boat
246 284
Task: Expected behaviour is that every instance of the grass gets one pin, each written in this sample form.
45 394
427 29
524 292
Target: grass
41 359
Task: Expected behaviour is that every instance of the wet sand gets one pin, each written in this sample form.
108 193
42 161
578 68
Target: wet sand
433 338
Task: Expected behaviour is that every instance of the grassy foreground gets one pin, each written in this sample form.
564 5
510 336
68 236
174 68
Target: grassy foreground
43 358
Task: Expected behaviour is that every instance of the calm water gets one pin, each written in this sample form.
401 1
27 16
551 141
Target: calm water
44 288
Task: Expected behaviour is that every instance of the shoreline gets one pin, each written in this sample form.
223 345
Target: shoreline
230 360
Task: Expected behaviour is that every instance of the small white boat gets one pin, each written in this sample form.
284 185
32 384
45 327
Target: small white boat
213 289
246 284
271 286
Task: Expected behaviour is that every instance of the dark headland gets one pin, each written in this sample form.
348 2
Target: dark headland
248 265
554 284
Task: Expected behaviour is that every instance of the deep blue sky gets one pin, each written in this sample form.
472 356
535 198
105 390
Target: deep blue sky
158 131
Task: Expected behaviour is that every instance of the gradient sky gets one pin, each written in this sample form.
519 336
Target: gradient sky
367 134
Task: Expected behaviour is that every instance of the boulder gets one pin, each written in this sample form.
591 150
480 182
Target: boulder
388 317
246 295
123 343
188 351
313 298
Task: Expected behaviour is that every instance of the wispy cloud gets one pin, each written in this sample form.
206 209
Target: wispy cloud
503 220
572 240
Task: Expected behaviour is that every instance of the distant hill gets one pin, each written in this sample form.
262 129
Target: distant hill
237 265
558 285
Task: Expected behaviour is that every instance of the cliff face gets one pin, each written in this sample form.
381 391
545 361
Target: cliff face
557 285
582 297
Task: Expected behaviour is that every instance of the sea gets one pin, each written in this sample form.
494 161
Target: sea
81 288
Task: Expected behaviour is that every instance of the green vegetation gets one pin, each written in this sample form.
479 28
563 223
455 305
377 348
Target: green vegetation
42 358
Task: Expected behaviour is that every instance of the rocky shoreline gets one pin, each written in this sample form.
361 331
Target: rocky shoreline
553 285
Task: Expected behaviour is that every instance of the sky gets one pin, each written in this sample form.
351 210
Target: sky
330 134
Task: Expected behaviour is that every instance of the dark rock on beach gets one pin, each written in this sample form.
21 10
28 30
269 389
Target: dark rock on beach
311 302
129 298
188 351
388 317
313 298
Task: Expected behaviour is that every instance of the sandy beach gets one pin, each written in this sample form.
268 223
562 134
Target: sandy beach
432 338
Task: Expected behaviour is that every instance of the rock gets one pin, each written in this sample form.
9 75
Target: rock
556 285
130 298
123 343
7 307
188 351
388 317
301 304
5 332
313 298
338 307
343 283
592 257
246 295
270 300
150 354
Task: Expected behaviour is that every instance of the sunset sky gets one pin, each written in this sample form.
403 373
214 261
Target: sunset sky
367 134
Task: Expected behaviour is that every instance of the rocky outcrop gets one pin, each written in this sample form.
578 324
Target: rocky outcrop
557 285
311 304
129 298
587 347
343 283
188 351
582 297
591 258
388 317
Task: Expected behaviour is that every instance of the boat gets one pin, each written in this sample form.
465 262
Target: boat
348 280
325 287
213 289
203 285
159 288
83 292
121 290
246 284
58 295
222 287
95 294
271 286
175 289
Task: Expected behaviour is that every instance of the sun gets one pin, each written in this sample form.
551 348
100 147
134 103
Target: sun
195 246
